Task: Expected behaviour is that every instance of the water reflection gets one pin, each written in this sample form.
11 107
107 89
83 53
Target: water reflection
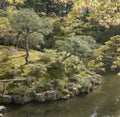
103 102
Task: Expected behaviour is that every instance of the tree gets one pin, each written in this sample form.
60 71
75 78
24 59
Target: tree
106 12
28 22
97 18
7 32
58 7
109 54
81 46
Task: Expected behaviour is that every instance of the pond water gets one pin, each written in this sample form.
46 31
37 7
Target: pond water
102 102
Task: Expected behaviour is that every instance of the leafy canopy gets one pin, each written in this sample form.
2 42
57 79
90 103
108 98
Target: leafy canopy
77 45
106 12
109 54
27 20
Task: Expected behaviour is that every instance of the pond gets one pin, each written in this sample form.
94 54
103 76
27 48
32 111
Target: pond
102 102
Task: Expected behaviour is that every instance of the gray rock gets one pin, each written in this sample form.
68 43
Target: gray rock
118 74
22 100
27 100
6 99
73 89
87 89
1 115
76 90
66 97
3 109
50 95
40 97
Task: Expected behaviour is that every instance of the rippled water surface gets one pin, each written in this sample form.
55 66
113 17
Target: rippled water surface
103 102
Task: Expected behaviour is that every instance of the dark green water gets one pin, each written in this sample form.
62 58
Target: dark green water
102 102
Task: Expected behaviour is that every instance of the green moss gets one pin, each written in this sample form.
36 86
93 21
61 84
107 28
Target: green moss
47 69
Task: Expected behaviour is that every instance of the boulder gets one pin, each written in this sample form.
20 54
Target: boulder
6 99
1 115
50 95
66 97
73 88
2 109
118 74
21 99
40 97
27 100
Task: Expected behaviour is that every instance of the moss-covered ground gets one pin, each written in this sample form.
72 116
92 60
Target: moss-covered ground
45 71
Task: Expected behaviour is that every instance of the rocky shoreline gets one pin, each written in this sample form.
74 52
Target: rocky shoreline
50 95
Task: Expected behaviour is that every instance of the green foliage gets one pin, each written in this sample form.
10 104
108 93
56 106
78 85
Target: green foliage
43 84
73 66
20 90
59 68
51 7
28 22
24 24
13 73
99 19
35 40
109 54
7 33
37 70
37 5
81 46
59 33
25 20
47 74
56 70
106 12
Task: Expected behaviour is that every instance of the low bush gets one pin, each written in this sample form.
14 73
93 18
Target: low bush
36 70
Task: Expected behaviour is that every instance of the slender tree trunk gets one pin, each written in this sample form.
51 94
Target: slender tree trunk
27 48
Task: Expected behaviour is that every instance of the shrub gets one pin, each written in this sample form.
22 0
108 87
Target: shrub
36 70
49 56
81 46
20 90
56 70
13 73
43 84
73 66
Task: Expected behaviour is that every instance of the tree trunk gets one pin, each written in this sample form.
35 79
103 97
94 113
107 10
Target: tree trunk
27 48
